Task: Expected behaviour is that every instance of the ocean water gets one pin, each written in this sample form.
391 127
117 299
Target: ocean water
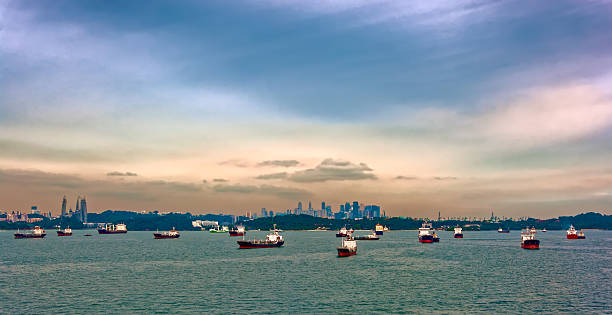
486 272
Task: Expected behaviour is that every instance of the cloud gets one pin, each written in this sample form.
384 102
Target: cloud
402 177
281 163
278 191
445 178
115 173
333 170
235 162
272 176
220 180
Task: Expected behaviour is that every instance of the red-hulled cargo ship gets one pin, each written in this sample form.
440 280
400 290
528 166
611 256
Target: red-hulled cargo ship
166 235
426 235
348 247
38 232
238 231
65 232
458 232
113 229
528 240
573 234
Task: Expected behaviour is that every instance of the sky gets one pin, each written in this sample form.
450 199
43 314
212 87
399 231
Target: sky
461 107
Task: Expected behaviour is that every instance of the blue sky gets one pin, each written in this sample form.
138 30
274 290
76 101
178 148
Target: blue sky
482 94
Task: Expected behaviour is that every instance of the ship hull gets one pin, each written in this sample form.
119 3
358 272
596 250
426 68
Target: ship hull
436 239
60 233
531 244
379 232
23 235
426 239
367 238
458 235
572 236
250 244
505 231
162 237
111 232
236 233
581 237
345 252
341 234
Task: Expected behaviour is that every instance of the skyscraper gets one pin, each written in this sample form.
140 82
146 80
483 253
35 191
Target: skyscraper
356 213
77 209
83 210
64 201
323 205
264 213
309 205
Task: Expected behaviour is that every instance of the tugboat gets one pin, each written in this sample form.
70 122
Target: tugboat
458 232
436 238
503 230
344 232
65 232
370 237
528 240
379 229
113 229
164 235
272 240
581 235
238 231
425 234
572 233
218 229
36 233
544 230
348 248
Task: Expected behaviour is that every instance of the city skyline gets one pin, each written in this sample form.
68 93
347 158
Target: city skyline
461 107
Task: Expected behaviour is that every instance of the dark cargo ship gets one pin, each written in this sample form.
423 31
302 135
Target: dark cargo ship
272 240
113 229
238 231
36 233
65 232
528 240
165 235
348 247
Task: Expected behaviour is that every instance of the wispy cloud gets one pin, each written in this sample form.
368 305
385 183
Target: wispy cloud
115 173
280 175
402 177
333 170
281 163
279 191
220 180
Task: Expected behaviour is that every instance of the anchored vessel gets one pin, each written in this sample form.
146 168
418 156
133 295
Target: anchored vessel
238 231
370 237
544 230
65 232
528 240
503 230
272 240
458 232
344 232
113 229
169 234
426 234
573 234
218 229
348 247
379 229
37 232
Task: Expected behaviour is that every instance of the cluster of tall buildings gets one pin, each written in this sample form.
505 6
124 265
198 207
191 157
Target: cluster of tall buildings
80 210
354 210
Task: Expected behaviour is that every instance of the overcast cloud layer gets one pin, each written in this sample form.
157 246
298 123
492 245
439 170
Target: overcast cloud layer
461 107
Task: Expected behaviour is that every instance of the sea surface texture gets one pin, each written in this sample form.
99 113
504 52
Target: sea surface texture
485 272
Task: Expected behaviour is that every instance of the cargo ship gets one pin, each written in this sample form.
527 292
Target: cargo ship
238 231
272 240
344 232
573 234
425 233
503 230
379 229
169 234
458 232
370 237
113 229
65 232
348 247
37 232
528 240
218 229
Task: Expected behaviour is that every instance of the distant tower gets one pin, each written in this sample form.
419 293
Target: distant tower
83 210
438 215
64 206
309 205
323 205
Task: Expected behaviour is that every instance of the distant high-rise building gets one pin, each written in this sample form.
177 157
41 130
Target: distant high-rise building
64 201
264 213
271 213
299 206
309 205
371 211
77 209
341 208
83 210
34 210
323 205
355 210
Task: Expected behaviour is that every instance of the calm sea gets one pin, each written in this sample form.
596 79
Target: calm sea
202 272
